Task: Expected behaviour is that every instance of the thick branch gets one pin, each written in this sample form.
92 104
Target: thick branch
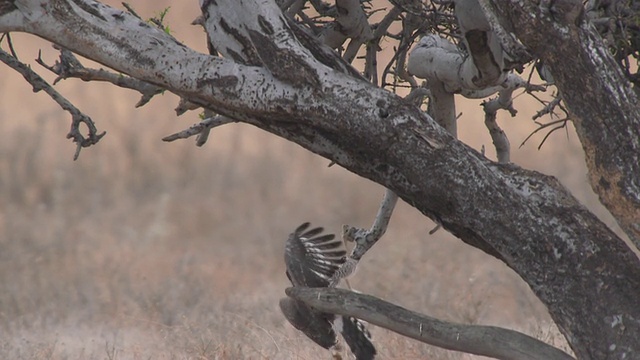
483 46
605 108
489 341
351 22
586 276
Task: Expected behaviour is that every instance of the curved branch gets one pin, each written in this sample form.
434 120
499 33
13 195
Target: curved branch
496 342
77 117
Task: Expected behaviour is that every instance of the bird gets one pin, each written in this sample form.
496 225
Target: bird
311 259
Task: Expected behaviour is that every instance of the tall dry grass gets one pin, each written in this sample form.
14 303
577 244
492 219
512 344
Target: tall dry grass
147 250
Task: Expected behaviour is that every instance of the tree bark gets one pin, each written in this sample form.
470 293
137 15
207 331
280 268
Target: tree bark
489 341
587 276
604 107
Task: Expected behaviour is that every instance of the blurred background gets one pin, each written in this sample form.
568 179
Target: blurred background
143 249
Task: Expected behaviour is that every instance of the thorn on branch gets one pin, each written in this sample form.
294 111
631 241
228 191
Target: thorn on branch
10 43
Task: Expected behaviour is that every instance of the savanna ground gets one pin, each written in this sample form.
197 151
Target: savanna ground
148 250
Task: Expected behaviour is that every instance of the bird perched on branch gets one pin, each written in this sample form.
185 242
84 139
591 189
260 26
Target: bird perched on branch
311 260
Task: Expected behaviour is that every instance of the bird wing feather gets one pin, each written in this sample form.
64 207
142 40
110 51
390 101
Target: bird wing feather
312 259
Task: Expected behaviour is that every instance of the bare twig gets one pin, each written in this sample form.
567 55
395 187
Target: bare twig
130 10
202 129
562 122
373 46
10 44
70 67
77 117
500 140
548 109
496 342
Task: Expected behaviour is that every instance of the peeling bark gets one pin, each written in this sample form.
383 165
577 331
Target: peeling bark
483 46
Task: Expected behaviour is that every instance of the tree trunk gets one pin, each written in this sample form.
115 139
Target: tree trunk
603 105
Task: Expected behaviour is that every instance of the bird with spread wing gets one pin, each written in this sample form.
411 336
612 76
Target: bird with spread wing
311 260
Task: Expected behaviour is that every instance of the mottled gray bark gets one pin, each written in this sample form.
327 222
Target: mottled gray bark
279 79
603 105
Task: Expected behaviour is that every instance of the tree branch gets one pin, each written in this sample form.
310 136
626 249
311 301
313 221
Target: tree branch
77 117
350 23
585 275
500 139
489 341
602 105
70 67
201 129
365 239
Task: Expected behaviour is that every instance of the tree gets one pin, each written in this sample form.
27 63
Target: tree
269 69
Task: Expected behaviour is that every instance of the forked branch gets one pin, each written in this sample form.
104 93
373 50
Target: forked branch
201 129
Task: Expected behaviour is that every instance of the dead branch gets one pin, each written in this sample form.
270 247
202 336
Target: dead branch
77 117
70 67
496 342
562 124
549 108
201 129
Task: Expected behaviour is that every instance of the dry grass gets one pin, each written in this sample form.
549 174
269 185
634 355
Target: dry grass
146 250
168 251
